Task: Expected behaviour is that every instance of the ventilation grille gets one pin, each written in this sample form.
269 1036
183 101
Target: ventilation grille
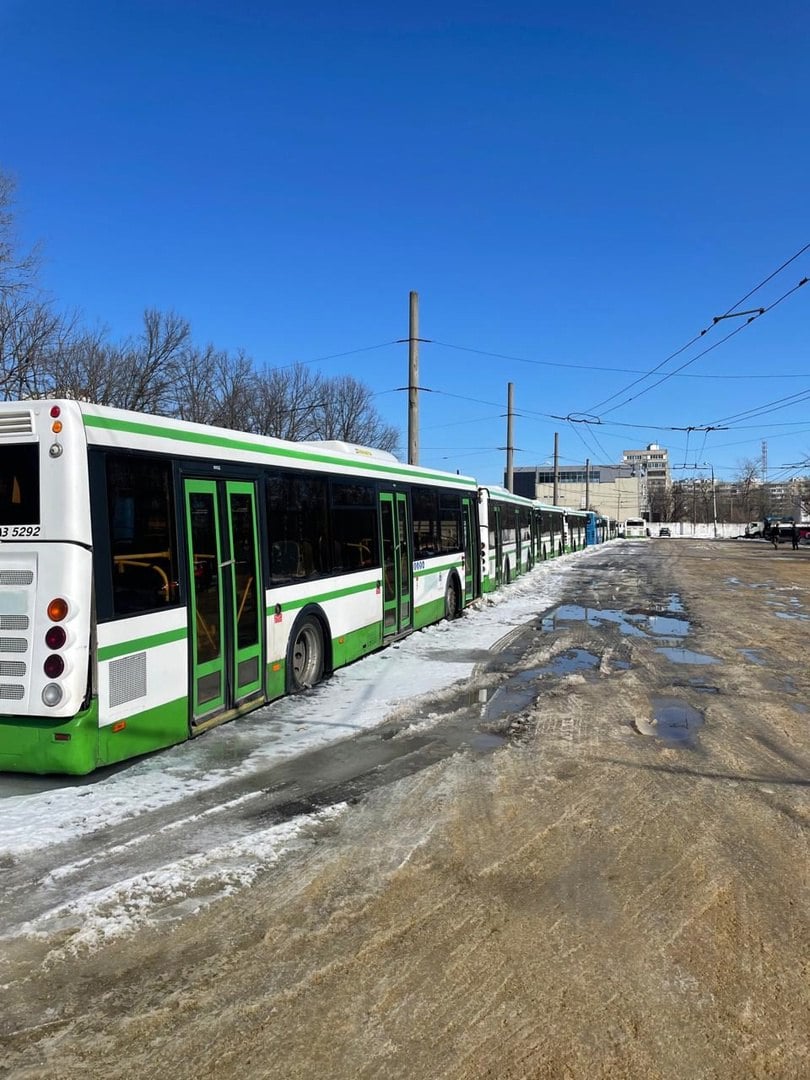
14 669
13 644
13 622
16 424
127 679
16 577
12 693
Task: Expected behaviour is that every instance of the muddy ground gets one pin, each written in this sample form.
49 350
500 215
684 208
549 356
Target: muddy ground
618 889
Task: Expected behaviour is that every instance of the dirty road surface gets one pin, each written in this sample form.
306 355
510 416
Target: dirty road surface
596 866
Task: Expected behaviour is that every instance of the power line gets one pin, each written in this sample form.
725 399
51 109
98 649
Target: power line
332 356
771 406
697 338
600 367
745 325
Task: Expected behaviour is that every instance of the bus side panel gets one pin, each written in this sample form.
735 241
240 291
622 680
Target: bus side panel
142 664
429 590
42 746
151 729
352 609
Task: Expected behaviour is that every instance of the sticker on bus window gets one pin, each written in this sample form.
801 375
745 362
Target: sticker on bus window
18 532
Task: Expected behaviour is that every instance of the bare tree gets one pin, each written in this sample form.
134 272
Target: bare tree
751 493
139 374
31 336
148 365
31 331
347 413
17 270
288 401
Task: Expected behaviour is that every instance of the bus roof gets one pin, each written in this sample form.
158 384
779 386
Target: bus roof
107 426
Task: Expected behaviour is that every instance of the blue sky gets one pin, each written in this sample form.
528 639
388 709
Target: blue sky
577 189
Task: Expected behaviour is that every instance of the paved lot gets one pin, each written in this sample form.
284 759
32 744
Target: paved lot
611 882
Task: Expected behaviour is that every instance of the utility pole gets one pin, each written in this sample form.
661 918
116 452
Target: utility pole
413 380
587 483
556 497
510 442
714 503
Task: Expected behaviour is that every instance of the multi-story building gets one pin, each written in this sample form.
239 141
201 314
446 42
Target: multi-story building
654 460
616 491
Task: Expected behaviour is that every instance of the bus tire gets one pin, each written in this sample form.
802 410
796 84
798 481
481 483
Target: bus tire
452 603
305 655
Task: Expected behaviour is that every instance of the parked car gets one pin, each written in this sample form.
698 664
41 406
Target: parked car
664 532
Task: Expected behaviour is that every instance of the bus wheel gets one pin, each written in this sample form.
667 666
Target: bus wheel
451 601
305 656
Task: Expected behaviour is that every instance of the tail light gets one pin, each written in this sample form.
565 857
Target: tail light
55 638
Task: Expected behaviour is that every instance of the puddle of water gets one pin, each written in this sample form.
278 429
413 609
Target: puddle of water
621 665
754 656
791 615
521 690
674 603
631 623
673 720
800 708
686 656
512 697
569 662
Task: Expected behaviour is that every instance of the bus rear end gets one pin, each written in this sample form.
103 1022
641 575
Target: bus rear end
47 718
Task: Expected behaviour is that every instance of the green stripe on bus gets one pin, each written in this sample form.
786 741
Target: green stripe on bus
335 594
112 652
168 432
439 569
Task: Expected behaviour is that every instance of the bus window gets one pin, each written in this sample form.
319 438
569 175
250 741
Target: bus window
425 506
19 484
297 527
451 534
141 525
354 525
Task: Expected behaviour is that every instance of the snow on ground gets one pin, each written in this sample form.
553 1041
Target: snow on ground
37 812
356 698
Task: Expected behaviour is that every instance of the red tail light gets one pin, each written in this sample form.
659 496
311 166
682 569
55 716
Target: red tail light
55 637
54 666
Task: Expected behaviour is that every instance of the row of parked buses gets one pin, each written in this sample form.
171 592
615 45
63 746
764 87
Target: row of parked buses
159 577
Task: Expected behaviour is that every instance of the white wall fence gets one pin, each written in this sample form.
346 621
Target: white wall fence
725 530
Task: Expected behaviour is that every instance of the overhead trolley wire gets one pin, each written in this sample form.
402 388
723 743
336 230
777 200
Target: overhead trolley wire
697 337
602 367
751 318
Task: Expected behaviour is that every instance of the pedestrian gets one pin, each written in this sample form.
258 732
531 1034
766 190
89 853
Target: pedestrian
775 537
794 536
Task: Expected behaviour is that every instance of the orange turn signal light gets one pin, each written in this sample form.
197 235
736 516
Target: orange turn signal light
57 609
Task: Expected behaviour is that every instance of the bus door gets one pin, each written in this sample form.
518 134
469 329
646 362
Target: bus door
470 549
496 540
226 624
397 563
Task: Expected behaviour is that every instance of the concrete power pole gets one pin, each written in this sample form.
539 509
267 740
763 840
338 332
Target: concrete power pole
587 483
510 442
413 381
556 496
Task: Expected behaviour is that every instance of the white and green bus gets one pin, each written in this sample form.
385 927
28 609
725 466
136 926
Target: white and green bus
160 577
508 547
